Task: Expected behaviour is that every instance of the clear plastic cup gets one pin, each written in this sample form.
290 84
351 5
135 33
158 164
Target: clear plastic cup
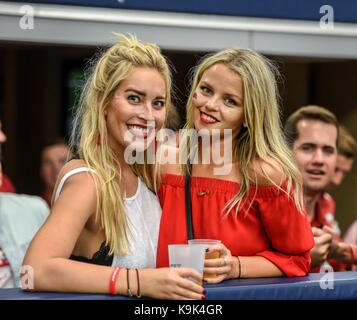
187 256
206 243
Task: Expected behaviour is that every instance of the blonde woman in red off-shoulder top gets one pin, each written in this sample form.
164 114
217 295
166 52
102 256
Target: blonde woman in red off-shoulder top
250 199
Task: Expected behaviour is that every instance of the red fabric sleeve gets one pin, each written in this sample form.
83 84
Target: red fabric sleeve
290 234
7 185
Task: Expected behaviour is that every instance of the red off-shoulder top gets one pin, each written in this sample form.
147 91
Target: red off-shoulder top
272 227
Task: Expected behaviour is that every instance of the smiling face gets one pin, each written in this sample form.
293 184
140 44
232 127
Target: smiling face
218 100
137 110
315 153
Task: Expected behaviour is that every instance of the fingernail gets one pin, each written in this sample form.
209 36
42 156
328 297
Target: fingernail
203 297
204 291
207 249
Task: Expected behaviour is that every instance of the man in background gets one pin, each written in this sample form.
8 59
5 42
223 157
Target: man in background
20 218
53 156
345 157
313 134
346 154
346 148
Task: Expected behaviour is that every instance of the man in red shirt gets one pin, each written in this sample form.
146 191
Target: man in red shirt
345 158
313 134
346 154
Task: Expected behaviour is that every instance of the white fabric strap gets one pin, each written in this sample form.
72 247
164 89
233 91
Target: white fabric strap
69 174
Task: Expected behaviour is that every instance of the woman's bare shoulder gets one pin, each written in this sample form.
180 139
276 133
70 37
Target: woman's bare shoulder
71 165
268 172
88 180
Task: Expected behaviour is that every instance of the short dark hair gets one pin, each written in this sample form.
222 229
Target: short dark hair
53 142
310 112
346 144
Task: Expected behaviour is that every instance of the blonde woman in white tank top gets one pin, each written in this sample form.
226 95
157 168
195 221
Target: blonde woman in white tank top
105 216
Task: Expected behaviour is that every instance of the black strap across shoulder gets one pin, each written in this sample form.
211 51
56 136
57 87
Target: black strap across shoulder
188 205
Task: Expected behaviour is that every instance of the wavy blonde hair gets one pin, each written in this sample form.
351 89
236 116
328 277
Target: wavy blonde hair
89 134
262 137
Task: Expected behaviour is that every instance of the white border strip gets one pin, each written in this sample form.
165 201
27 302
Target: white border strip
87 26
170 19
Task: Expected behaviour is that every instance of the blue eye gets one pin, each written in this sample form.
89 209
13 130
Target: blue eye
158 104
230 101
205 90
134 99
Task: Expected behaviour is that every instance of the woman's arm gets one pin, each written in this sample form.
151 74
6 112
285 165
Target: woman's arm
49 252
286 227
254 267
228 266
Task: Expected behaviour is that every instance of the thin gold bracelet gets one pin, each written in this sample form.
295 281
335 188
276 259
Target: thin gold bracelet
138 294
240 267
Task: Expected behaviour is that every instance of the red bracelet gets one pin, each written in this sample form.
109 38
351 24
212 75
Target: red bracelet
113 280
353 253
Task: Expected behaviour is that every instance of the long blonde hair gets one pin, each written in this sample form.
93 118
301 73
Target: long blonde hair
261 137
89 134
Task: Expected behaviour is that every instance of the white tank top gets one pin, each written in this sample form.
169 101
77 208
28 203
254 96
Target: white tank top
144 213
